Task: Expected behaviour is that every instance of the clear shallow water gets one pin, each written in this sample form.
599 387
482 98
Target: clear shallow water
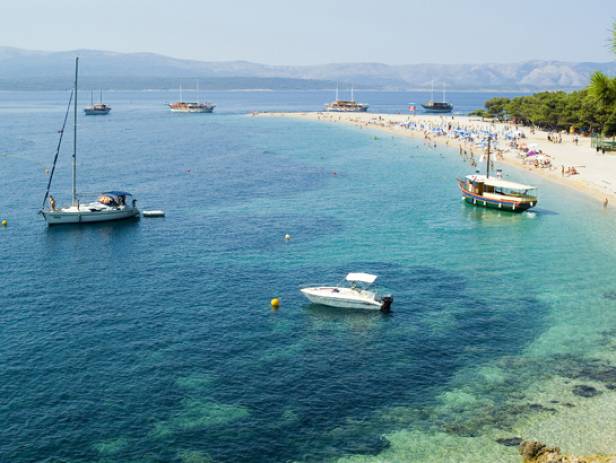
154 340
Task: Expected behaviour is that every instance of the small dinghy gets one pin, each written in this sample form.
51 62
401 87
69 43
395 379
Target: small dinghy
155 213
354 297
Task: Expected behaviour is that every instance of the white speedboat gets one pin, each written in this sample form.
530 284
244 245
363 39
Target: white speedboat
112 205
356 296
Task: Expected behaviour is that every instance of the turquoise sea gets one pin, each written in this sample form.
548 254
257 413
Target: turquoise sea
154 340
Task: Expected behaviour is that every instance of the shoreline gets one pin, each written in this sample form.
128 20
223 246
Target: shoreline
596 172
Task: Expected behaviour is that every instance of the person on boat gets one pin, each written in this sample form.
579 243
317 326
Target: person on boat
52 202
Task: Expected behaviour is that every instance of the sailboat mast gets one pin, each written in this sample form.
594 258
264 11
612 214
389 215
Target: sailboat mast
352 95
75 203
432 97
198 96
444 92
181 98
101 95
488 159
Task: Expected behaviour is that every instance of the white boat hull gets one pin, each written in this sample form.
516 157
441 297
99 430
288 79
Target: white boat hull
345 298
84 215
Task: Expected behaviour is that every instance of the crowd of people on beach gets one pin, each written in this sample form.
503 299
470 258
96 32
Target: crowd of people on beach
472 138
470 135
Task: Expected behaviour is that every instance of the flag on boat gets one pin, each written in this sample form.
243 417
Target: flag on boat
412 107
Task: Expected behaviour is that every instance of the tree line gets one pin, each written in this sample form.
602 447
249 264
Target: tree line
590 110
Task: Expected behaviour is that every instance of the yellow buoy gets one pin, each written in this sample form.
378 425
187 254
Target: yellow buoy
5 223
275 303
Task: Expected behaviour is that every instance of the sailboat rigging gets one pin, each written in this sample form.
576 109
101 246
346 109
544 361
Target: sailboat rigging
437 106
55 158
111 205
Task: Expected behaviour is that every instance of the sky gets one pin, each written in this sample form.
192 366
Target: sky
318 31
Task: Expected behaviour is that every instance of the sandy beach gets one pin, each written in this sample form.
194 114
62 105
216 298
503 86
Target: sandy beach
575 165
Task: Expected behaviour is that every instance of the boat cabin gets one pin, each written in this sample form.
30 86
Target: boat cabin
497 187
116 199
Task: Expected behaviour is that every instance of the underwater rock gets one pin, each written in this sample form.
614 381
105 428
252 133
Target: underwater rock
509 441
584 390
610 295
532 450
598 372
611 386
538 452
534 407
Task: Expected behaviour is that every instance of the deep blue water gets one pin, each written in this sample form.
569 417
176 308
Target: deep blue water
154 340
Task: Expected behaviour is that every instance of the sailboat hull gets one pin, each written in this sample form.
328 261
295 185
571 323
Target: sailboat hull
75 216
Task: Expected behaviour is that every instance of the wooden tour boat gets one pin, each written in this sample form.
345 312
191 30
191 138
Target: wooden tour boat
495 192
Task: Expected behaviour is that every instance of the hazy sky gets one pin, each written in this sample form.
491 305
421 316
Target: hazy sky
318 31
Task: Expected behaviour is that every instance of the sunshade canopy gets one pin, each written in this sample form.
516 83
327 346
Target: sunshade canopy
116 193
363 277
500 183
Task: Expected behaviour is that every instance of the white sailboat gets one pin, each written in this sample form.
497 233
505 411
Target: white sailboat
111 205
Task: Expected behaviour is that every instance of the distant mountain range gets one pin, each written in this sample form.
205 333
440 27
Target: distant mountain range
27 70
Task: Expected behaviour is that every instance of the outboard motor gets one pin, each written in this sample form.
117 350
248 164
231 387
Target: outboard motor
386 302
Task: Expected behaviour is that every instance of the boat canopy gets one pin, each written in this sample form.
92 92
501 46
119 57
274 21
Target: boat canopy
116 193
497 182
363 277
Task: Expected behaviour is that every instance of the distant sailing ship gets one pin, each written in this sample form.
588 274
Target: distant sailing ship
346 106
97 109
192 106
437 106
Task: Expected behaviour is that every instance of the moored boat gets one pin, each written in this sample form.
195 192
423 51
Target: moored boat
191 106
496 192
346 106
437 106
356 296
97 109
112 205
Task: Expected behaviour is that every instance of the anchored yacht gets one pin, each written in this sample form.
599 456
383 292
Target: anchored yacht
346 106
496 192
112 205
191 106
97 109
